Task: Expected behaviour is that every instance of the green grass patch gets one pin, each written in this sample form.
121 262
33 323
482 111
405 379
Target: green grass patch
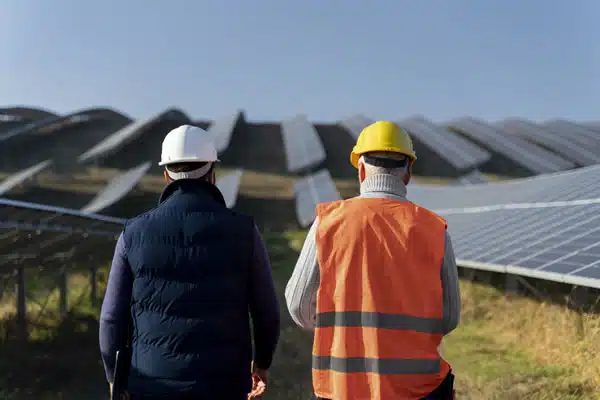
486 369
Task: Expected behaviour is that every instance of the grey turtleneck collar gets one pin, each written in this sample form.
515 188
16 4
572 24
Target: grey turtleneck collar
383 185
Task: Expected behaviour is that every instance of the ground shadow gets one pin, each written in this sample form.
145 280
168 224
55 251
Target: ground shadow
63 364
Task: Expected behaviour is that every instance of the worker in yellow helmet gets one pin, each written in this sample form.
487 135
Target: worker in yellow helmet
377 282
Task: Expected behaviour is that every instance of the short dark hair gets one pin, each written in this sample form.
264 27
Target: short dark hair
190 166
185 166
387 163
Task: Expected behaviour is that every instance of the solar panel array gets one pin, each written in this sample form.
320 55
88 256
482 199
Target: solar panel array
456 150
544 227
529 155
33 235
564 146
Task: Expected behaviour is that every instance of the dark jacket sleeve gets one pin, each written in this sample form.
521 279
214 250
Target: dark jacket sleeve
114 316
264 305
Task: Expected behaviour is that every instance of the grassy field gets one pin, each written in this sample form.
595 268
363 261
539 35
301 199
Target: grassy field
534 354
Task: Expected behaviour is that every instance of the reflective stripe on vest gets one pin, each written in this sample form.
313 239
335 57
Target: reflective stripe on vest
379 304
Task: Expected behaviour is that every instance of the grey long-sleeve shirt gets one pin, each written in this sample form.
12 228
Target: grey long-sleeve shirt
301 289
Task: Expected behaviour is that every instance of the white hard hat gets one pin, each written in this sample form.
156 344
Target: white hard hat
188 144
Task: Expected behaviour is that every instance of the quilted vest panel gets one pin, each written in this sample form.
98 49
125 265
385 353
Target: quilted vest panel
190 259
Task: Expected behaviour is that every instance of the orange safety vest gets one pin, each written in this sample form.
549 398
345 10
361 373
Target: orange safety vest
379 303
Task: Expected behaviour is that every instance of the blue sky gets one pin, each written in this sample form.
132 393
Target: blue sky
326 58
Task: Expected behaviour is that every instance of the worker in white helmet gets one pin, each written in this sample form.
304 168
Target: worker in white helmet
187 275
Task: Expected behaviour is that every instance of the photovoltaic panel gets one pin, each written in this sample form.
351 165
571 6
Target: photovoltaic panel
33 233
222 129
546 227
472 178
529 155
565 147
22 176
31 216
53 122
457 151
572 131
312 190
303 146
229 185
355 124
117 189
578 184
558 242
118 139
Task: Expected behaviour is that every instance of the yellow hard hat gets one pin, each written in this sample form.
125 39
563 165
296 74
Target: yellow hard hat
383 136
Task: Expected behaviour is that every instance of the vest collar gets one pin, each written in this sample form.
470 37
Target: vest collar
194 186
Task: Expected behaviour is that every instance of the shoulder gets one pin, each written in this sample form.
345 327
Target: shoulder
431 217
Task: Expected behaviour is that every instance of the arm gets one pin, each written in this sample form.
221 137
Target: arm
301 290
450 287
115 313
264 305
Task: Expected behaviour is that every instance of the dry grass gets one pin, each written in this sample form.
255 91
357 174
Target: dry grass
547 334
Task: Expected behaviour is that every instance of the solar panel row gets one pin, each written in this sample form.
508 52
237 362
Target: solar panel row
311 190
355 124
560 243
223 128
117 189
23 176
566 147
583 136
544 227
531 156
457 151
579 184
118 139
472 178
229 185
302 144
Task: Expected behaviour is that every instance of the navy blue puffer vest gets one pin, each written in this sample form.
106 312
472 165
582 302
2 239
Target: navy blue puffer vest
190 259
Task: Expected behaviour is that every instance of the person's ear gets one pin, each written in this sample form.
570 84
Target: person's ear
167 180
213 177
362 173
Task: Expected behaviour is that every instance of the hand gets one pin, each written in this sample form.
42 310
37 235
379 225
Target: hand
259 382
